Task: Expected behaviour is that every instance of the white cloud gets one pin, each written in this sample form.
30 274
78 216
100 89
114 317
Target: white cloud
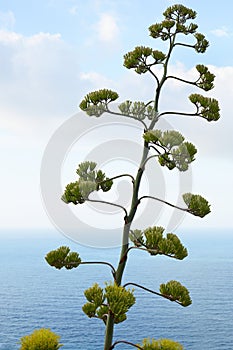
107 28
7 37
73 10
221 32
97 80
7 20
37 86
40 81
38 73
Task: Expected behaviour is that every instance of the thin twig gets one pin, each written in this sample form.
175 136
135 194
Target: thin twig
186 45
128 116
142 287
178 113
143 164
101 263
73 263
125 342
116 177
163 201
154 75
110 203
139 240
154 148
151 250
182 80
169 297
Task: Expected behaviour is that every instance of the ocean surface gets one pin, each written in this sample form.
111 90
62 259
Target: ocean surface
34 295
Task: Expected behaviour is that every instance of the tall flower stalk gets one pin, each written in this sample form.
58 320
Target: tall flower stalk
111 303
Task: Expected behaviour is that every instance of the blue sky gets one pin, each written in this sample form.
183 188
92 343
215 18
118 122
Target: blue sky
52 52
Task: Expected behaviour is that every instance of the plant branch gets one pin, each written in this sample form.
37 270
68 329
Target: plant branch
182 80
140 241
128 116
156 150
163 201
154 156
117 177
125 342
151 250
110 203
169 297
179 113
154 75
186 45
100 263
142 287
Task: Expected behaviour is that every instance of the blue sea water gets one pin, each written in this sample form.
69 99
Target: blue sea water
34 295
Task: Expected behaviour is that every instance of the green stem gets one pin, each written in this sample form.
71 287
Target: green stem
125 243
109 331
134 204
163 79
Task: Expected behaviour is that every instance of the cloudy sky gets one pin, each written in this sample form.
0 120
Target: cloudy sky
52 52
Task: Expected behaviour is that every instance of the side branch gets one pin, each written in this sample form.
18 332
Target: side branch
128 116
110 203
125 342
182 80
100 263
150 250
186 45
154 75
169 297
142 287
179 113
117 177
147 159
163 201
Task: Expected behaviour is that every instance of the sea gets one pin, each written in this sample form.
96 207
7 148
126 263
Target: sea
34 295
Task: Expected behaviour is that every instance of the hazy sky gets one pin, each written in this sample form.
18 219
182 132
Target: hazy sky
52 52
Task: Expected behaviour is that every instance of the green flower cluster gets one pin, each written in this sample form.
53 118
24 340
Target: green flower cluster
41 339
207 108
160 344
63 257
197 205
179 13
114 299
175 291
201 44
173 151
156 244
176 17
90 180
143 58
96 103
137 110
206 79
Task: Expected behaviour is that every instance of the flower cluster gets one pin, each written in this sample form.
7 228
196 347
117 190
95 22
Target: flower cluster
207 107
173 152
114 299
137 110
90 180
175 291
155 243
197 205
143 58
96 103
160 344
63 257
